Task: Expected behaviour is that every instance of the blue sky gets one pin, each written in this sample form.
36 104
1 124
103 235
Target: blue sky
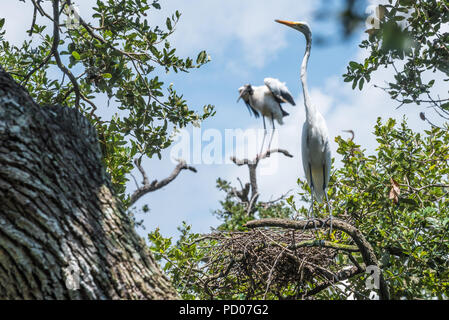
246 45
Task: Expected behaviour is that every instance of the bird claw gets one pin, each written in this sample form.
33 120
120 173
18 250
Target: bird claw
310 221
328 220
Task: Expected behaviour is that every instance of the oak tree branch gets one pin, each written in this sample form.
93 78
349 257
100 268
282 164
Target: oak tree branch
155 184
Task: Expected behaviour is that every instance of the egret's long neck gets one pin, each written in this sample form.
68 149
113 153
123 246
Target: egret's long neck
310 109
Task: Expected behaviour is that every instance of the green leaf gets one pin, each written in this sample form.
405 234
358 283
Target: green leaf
168 23
76 55
355 65
362 81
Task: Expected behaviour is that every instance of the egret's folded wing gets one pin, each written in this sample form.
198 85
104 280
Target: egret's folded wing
279 91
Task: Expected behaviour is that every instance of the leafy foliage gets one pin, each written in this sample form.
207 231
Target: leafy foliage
116 56
410 234
413 39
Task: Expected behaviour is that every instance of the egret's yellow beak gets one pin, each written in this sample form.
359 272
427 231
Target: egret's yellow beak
288 23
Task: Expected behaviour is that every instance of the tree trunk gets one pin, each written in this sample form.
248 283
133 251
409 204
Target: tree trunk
63 235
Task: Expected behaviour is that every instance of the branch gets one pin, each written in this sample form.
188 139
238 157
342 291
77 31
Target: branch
262 156
55 52
340 276
155 184
252 166
364 246
243 193
324 244
267 204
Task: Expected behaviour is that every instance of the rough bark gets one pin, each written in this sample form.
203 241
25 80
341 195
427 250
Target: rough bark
59 221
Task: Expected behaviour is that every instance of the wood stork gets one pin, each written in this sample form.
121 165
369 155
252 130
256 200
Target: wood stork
267 100
315 144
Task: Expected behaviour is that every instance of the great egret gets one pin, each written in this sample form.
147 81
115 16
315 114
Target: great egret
267 100
316 153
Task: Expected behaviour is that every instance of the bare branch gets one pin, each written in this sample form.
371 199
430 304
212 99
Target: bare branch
282 197
55 52
324 244
142 171
251 203
340 276
264 155
155 184
252 167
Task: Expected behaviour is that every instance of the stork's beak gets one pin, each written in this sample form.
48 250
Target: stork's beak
241 94
288 23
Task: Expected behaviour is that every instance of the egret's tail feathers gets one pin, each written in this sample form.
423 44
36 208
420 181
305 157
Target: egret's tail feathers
319 196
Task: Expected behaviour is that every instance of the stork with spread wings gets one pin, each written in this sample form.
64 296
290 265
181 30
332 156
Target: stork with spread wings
266 100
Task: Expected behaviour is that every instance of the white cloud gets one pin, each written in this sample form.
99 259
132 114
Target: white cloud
213 25
18 17
217 25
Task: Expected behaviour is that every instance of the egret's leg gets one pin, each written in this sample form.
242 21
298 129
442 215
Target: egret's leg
272 132
264 135
312 191
330 211
310 212
327 201
311 215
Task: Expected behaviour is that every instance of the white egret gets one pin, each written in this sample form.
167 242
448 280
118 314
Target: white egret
267 100
315 145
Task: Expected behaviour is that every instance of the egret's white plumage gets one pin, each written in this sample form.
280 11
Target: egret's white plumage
316 153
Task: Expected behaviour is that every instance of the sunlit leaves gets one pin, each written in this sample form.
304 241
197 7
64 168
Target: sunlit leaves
410 41
399 199
119 55
76 55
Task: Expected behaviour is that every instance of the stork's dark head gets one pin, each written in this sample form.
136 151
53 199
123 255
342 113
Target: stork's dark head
245 91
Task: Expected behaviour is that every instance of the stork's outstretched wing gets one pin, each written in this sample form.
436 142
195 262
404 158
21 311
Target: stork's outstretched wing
279 90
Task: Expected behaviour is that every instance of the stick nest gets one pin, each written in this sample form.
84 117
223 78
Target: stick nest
266 260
